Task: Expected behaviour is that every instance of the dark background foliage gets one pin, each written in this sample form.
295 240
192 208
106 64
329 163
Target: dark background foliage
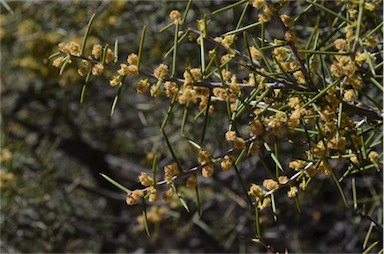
58 202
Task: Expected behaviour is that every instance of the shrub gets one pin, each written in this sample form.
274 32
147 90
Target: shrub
278 112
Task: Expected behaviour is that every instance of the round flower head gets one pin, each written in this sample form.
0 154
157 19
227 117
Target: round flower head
161 71
97 69
97 51
340 44
175 16
287 20
142 86
132 59
256 3
58 62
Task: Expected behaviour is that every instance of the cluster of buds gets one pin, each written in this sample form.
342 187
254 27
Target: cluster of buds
130 69
259 194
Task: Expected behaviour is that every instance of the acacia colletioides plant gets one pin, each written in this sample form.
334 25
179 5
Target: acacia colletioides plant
314 94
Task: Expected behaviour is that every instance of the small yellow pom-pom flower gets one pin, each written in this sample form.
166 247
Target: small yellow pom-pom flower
297 164
170 171
239 142
171 89
145 180
123 70
161 71
132 59
371 42
287 20
299 76
256 127
142 86
132 70
283 179
369 7
256 191
204 157
97 69
340 44
255 53
83 71
350 95
294 102
289 36
292 192
256 3
270 184
373 157
115 81
227 162
74 48
97 51
175 16
263 18
230 135
207 170
153 197
196 76
63 47
134 197
128 70
266 203
58 62
110 56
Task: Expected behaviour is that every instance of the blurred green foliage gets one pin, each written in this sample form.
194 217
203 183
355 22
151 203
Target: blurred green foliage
53 149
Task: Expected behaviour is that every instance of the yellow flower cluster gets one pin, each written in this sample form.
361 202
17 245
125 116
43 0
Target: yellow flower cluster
226 41
226 163
267 13
238 142
142 85
170 171
171 89
175 16
276 122
290 37
292 192
204 158
258 193
98 51
128 70
192 76
255 53
256 127
373 157
256 3
97 69
72 48
134 197
270 184
221 93
161 71
341 44
188 95
287 20
131 69
145 180
58 62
